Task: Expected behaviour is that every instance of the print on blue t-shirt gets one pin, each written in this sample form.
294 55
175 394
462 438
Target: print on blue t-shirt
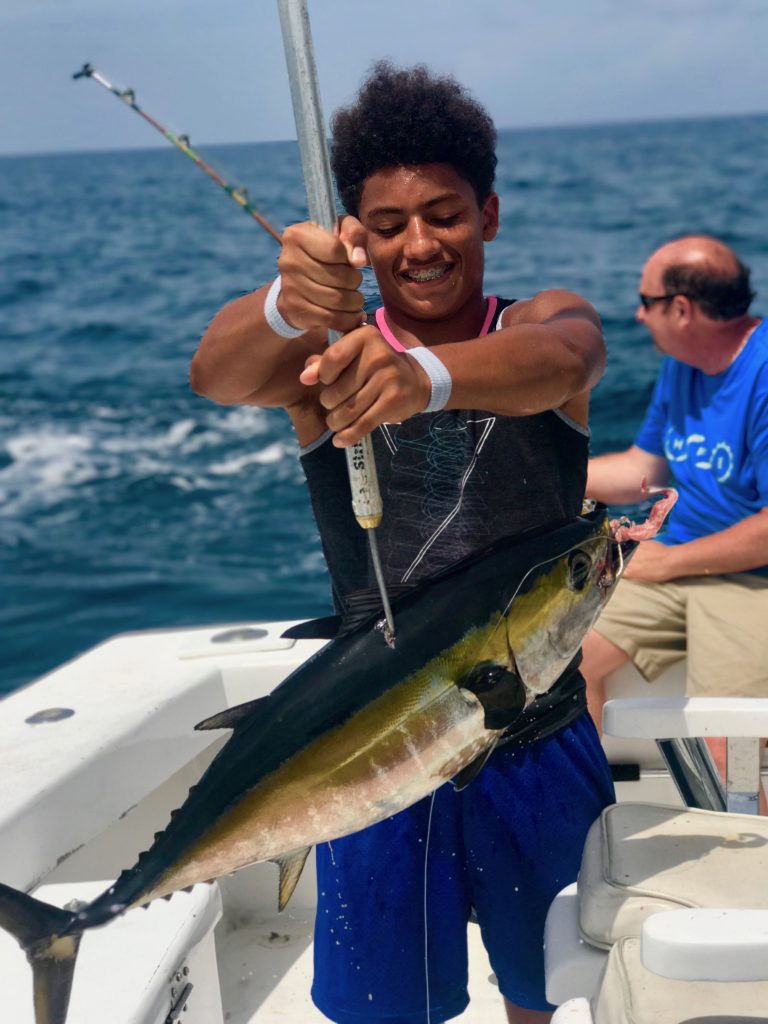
713 432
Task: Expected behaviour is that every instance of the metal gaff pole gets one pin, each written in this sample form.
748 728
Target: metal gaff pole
316 168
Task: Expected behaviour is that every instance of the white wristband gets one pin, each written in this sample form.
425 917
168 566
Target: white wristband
274 317
438 374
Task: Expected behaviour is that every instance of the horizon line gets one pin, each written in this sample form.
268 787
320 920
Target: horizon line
559 126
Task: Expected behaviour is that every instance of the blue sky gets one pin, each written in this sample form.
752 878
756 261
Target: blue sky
216 70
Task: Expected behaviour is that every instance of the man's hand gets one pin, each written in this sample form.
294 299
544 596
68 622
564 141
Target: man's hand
739 548
653 562
321 277
364 383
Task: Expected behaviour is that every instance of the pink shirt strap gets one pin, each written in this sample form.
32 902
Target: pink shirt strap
381 323
492 304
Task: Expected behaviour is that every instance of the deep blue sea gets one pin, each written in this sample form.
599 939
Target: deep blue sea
126 502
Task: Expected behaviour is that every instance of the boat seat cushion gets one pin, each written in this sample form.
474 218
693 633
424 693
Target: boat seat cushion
631 994
642 858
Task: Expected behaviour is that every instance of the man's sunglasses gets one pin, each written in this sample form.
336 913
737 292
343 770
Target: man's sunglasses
646 301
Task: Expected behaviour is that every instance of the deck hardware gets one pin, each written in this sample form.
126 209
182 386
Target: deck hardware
49 715
743 774
236 635
180 1005
693 771
625 772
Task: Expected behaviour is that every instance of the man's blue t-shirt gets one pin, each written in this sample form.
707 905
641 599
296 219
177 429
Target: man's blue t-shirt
713 432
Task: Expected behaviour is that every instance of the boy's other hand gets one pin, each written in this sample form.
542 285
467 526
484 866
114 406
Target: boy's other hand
363 383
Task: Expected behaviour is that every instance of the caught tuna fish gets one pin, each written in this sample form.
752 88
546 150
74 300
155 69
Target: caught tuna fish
360 731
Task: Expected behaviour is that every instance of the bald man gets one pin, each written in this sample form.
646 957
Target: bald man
702 590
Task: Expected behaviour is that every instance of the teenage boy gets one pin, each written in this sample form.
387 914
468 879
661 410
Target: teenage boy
477 407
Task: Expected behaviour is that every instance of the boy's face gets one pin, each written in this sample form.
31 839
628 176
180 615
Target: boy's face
425 238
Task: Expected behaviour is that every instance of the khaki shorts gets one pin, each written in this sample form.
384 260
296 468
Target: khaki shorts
720 623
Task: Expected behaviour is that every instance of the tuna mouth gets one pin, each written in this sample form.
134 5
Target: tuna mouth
426 274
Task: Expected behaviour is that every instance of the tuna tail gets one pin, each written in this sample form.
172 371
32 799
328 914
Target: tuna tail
42 931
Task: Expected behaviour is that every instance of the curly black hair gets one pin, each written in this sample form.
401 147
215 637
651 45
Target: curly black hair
404 117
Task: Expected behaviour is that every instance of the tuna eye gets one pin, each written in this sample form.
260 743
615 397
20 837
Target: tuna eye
579 567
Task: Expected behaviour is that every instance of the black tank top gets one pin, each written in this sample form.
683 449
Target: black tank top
452 482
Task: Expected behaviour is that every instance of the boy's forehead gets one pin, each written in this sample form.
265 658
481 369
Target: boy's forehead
395 185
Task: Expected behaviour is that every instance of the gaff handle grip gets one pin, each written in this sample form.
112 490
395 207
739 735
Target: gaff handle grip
364 483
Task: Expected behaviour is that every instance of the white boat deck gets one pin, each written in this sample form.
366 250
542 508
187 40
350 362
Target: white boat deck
266 974
81 795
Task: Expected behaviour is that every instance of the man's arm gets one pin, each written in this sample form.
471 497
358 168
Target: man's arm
617 478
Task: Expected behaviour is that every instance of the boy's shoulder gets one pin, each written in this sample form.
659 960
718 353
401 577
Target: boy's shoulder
545 305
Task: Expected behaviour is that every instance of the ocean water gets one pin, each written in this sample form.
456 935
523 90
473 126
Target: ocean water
126 502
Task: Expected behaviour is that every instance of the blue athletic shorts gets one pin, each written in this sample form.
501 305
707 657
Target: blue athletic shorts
505 845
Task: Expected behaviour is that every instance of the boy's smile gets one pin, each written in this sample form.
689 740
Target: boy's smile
425 241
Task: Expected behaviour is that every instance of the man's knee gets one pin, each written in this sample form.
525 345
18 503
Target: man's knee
600 657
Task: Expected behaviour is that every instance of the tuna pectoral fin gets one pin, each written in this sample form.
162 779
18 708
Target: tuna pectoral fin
473 769
291 867
500 690
38 928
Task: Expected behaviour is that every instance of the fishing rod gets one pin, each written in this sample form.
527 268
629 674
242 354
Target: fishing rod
181 142
366 498
313 150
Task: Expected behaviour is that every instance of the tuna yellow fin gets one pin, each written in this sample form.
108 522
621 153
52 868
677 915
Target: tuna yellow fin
291 867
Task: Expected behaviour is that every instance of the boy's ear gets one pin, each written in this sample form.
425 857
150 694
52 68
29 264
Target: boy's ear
490 216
